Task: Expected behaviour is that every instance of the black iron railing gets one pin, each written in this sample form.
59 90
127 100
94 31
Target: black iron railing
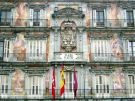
112 57
117 23
69 93
24 22
63 56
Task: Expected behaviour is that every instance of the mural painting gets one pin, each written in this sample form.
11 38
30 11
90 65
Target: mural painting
18 82
19 49
118 78
116 47
21 15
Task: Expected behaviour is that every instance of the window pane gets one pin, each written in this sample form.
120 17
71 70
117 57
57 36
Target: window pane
134 44
1 49
36 15
36 89
0 16
8 16
3 16
33 90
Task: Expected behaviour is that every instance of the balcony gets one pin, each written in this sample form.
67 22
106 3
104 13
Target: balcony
29 57
110 57
24 23
100 24
5 23
110 23
62 56
36 23
82 94
130 24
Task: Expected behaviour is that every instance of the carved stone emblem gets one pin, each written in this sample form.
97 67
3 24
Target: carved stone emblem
68 37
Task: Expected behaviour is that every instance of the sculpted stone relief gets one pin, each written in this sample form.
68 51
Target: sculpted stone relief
68 37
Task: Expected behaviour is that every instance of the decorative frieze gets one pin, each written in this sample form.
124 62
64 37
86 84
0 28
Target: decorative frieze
76 56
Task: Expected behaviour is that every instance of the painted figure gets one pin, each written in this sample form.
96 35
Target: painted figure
18 82
116 47
20 48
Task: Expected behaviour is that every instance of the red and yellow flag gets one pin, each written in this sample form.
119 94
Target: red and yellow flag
53 83
62 82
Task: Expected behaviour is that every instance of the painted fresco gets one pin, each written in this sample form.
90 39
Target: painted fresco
19 49
21 15
114 15
118 78
18 82
116 47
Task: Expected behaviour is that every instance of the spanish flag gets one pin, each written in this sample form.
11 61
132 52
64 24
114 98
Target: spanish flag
62 81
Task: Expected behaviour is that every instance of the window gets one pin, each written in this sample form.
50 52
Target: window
100 49
1 50
132 50
69 81
102 84
35 85
130 20
5 18
100 18
131 85
4 84
36 18
6 50
36 50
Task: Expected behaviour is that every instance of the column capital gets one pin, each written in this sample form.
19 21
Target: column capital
81 29
56 28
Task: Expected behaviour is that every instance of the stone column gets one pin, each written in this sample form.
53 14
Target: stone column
80 39
56 40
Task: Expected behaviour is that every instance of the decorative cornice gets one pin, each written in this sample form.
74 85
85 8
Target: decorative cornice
6 71
126 5
6 6
37 6
35 71
97 6
68 12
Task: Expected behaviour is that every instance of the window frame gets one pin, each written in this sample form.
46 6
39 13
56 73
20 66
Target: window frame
131 83
130 18
36 50
36 17
6 20
35 85
102 84
100 16
2 52
132 50
4 84
98 49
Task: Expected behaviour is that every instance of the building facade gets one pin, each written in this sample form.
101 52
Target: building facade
96 37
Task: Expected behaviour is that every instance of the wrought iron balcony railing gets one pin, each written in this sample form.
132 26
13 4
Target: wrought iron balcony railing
111 23
24 22
68 94
63 56
25 57
111 57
